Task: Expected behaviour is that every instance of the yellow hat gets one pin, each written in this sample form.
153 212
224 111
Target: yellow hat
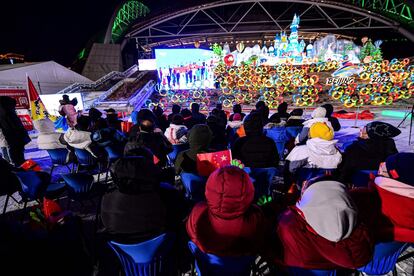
321 130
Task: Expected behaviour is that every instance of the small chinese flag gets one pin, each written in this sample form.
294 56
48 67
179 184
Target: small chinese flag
209 162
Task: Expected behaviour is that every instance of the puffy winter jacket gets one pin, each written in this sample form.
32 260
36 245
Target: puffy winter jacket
228 224
304 134
317 153
323 232
176 134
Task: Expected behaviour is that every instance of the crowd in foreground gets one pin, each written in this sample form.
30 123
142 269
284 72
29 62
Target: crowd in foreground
321 221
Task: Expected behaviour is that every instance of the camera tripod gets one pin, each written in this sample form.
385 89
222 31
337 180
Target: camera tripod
411 122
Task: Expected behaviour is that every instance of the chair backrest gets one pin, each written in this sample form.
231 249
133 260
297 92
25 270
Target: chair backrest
304 174
361 178
194 185
85 158
149 258
262 178
297 271
209 264
176 150
113 153
385 257
58 156
79 183
33 184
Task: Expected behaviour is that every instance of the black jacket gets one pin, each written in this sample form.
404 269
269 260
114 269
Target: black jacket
365 154
139 209
10 124
255 150
155 141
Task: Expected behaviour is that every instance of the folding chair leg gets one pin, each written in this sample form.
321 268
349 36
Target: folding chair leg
6 204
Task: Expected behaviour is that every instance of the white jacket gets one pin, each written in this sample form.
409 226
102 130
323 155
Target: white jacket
48 139
317 153
234 124
78 139
171 134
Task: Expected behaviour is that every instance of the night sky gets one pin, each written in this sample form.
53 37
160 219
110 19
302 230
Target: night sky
58 30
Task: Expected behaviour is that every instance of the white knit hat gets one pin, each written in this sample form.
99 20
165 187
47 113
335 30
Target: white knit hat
319 112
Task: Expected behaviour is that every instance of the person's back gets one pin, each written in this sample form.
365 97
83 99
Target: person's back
176 133
282 111
237 109
199 139
255 150
219 140
319 151
197 117
134 212
373 146
228 224
112 119
155 141
322 231
295 119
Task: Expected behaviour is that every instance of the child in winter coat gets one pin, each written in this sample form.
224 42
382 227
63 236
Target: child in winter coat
176 133
318 152
318 116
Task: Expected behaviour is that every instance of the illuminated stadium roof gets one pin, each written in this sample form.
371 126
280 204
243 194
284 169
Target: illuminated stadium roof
186 22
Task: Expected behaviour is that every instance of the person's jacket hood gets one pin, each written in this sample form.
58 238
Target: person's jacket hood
229 192
329 210
323 153
78 139
199 138
136 175
310 122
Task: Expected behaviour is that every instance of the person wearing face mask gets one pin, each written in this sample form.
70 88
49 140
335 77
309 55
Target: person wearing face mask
373 146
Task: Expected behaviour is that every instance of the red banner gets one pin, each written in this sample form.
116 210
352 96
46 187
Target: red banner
26 121
20 95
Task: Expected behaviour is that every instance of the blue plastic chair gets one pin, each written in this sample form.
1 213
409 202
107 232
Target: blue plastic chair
209 264
59 157
385 257
304 174
361 178
194 186
176 150
88 161
113 154
33 186
149 258
261 178
297 271
278 135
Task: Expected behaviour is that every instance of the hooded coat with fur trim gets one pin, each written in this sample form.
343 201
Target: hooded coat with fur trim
322 231
228 224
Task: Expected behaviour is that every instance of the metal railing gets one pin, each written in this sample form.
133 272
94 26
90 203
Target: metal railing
90 86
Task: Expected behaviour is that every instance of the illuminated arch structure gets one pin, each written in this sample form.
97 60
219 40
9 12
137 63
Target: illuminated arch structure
232 19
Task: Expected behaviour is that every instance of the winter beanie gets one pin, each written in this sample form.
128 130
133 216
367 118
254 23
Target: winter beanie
400 167
319 112
377 130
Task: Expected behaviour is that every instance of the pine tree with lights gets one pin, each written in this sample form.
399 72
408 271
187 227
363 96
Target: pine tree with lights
367 50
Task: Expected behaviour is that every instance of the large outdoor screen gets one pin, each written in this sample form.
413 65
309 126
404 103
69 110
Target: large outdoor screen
185 68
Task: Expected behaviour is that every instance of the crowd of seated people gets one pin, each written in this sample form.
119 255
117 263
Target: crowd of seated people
322 222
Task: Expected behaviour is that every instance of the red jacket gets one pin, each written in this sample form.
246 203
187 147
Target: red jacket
302 247
228 224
